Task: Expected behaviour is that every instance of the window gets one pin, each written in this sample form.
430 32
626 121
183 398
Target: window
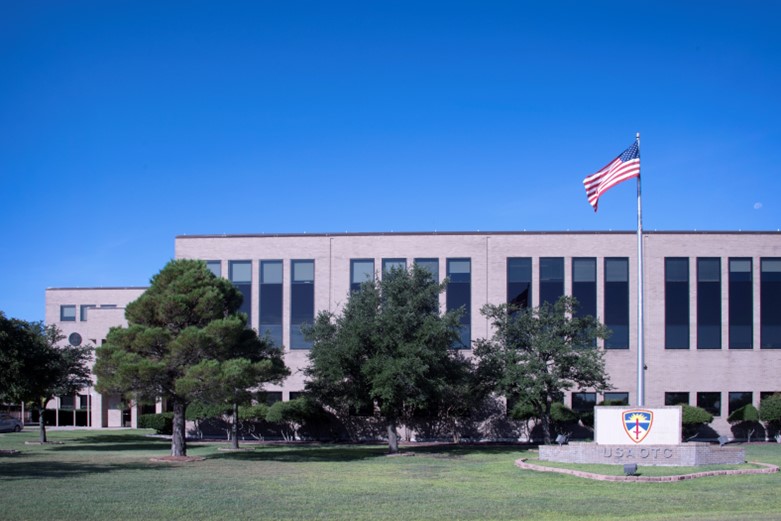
741 305
584 402
432 265
270 397
676 398
459 296
297 394
361 270
584 285
738 400
67 402
676 303
616 398
617 302
215 267
551 279
711 402
270 313
767 394
708 303
240 273
302 301
83 402
393 264
770 303
68 313
84 311
519 282
74 339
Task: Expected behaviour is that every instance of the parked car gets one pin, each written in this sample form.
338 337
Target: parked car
8 423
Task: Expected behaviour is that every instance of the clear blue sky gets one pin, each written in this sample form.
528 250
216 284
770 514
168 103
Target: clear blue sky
126 123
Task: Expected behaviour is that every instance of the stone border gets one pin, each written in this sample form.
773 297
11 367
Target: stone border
176 459
768 469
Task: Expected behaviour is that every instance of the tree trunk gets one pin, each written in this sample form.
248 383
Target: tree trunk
178 440
42 422
235 427
546 422
393 437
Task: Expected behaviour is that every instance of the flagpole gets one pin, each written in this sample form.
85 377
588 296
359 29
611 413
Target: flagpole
640 328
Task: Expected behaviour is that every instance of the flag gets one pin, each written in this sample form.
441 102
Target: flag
625 166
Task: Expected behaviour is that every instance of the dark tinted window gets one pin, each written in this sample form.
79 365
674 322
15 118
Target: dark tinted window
551 279
302 301
711 402
432 265
709 303
459 296
583 402
617 302
519 282
271 301
738 400
240 274
676 398
584 285
676 303
741 304
770 303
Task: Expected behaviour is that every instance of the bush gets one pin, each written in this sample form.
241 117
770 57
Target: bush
770 409
162 423
693 418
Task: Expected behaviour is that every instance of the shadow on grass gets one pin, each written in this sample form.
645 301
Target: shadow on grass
308 453
113 443
20 469
346 453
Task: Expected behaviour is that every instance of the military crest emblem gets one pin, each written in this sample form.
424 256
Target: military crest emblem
637 423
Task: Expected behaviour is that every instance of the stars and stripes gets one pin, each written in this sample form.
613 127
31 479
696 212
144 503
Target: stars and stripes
625 166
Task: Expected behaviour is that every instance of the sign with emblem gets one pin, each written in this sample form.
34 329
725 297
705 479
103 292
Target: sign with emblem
616 425
637 423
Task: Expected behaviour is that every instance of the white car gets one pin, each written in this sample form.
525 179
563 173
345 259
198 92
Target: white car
9 424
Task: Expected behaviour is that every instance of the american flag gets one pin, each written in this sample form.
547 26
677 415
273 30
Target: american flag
625 166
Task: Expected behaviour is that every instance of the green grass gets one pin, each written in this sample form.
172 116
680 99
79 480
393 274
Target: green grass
643 470
107 475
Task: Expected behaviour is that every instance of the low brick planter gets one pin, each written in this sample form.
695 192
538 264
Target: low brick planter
767 469
683 455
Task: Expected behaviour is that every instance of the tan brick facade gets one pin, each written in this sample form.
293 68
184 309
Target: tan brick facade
686 370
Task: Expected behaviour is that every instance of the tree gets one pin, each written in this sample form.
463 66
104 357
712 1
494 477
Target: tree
37 368
389 350
536 354
770 414
180 329
292 415
231 382
692 418
745 419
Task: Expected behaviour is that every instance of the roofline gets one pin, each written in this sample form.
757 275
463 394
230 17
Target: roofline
478 232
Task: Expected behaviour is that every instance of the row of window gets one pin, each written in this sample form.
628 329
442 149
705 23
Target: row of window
740 302
68 311
710 401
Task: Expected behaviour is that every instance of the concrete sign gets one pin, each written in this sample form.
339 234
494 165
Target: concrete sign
637 425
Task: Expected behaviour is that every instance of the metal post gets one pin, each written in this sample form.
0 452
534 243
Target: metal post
640 327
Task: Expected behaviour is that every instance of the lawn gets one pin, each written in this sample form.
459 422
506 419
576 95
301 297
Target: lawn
108 475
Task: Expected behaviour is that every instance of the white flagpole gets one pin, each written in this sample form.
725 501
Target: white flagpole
640 328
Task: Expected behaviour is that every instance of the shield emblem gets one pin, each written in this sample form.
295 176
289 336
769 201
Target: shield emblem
637 423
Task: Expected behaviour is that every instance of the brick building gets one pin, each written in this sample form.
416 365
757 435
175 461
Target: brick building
712 310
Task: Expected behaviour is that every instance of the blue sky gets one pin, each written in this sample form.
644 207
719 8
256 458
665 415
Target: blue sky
126 123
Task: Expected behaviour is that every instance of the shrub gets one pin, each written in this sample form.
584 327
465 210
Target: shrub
693 418
162 423
770 410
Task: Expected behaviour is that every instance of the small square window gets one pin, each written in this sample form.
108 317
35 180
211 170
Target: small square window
68 313
584 402
616 398
711 402
676 398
